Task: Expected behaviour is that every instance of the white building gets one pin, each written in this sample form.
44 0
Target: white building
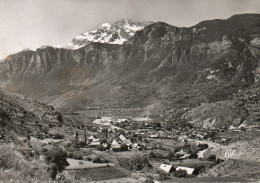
166 168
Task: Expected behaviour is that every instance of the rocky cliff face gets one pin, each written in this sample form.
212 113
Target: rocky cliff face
207 62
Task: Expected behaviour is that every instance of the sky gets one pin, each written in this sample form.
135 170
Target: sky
33 23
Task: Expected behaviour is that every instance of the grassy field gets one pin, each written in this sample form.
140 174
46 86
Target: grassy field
166 143
209 179
192 162
99 174
81 164
120 180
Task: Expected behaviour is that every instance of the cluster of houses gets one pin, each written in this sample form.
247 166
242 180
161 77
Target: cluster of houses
157 130
122 143
176 134
198 133
134 125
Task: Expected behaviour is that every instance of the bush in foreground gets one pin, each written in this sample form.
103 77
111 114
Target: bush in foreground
163 176
76 155
99 160
199 169
180 173
212 158
56 158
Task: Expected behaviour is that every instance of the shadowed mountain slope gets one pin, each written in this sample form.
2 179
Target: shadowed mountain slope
207 62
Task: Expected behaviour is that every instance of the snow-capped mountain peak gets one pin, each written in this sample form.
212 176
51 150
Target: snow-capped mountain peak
116 33
105 25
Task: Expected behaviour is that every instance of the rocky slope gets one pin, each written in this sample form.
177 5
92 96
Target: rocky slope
23 115
243 163
242 111
160 63
209 115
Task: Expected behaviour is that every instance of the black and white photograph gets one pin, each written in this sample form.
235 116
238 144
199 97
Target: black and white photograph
129 91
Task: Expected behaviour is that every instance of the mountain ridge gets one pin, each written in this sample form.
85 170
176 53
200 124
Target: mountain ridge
156 62
115 33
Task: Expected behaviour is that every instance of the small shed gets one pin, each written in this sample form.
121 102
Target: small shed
127 142
122 137
166 168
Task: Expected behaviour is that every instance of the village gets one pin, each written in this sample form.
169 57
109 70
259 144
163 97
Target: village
138 145
108 142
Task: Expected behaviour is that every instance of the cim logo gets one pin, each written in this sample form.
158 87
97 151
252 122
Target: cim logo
230 153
